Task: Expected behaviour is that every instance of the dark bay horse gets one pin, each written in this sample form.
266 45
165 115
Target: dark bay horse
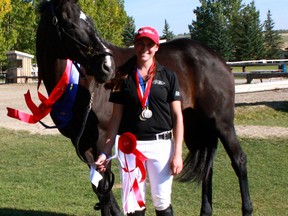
207 87
208 91
65 32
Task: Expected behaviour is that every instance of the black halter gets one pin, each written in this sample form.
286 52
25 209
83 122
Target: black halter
90 51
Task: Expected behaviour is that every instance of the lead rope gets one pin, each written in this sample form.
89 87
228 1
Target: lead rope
109 175
89 107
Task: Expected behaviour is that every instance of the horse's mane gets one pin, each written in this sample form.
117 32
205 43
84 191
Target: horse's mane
42 6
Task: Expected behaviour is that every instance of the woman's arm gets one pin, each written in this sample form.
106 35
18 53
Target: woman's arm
178 133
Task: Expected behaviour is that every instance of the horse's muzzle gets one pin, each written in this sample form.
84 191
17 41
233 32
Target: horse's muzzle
103 68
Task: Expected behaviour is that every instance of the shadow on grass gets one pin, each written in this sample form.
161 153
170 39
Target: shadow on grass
19 212
276 105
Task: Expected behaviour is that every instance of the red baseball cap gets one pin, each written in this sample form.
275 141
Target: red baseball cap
147 32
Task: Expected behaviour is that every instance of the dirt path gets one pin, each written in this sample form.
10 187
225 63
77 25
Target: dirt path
12 96
261 131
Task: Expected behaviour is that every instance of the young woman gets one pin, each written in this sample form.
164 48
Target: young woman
146 103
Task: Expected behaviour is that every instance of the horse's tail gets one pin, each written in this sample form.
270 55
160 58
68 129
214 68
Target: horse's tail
201 141
196 165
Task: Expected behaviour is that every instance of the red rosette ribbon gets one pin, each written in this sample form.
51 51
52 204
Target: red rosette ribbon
46 103
127 144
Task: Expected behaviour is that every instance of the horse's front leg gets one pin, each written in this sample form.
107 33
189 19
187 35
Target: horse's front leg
107 203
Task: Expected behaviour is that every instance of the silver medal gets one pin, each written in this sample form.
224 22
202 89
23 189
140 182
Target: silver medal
145 114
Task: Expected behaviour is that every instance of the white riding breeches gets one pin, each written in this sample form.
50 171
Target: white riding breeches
159 154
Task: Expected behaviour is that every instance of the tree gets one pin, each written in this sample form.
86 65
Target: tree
5 7
202 28
248 36
19 27
109 18
220 39
25 20
229 27
129 32
18 22
167 34
272 39
212 27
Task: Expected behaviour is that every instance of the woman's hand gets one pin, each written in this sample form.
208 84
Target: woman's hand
101 162
178 133
176 165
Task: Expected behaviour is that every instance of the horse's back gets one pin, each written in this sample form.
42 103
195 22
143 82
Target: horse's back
181 54
202 73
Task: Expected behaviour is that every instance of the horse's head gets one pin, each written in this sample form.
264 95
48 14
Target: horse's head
69 33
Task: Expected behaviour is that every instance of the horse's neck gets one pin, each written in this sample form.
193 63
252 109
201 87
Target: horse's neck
51 72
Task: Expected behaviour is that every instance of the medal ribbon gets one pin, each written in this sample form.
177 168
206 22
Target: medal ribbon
144 93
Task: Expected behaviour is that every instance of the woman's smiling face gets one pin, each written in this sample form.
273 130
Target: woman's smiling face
145 49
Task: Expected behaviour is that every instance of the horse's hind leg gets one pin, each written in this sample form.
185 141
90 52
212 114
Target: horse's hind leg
238 160
206 205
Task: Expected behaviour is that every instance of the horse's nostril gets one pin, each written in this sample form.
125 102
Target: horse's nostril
108 70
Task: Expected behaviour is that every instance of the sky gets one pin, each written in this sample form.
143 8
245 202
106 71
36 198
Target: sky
179 13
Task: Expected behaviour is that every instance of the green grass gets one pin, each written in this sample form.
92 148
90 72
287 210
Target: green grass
263 113
253 68
41 175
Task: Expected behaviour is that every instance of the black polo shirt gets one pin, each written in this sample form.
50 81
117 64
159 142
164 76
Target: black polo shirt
164 90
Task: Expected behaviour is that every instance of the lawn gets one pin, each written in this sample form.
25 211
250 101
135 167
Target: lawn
262 113
255 68
41 175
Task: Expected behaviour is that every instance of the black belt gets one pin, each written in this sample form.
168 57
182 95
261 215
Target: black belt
160 136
